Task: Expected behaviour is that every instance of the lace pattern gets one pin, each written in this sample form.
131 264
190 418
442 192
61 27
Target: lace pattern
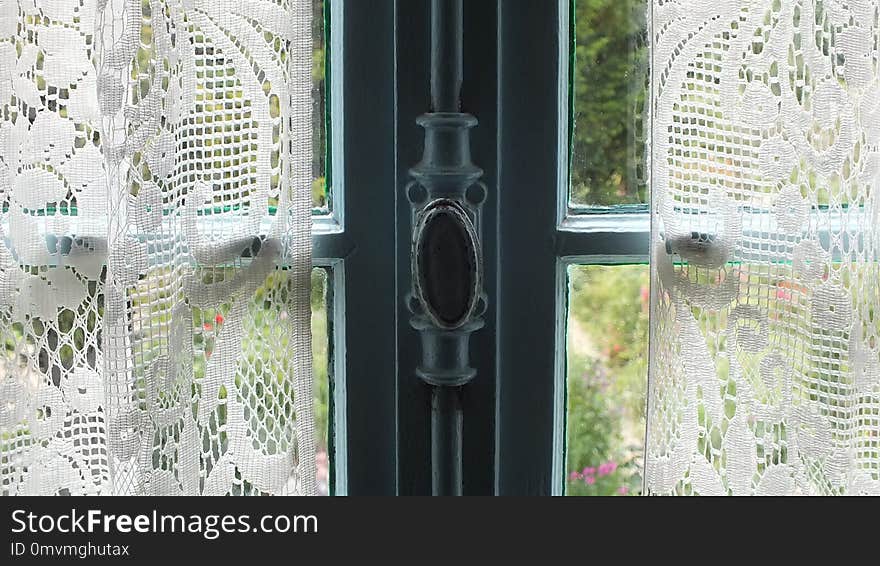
155 170
765 341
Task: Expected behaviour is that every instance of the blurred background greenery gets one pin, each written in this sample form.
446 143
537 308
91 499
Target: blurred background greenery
608 305
320 116
320 361
607 378
609 88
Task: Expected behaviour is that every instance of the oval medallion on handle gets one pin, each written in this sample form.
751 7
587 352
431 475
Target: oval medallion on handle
446 263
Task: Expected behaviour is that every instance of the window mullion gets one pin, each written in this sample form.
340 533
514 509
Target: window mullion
605 238
366 310
527 289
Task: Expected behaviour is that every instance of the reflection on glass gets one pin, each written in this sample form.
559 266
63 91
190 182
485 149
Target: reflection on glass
320 361
609 85
607 379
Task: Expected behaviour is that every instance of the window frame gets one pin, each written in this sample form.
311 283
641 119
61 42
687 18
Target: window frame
546 237
350 246
379 433
515 410
479 98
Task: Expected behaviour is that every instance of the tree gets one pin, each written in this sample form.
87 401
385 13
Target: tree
610 79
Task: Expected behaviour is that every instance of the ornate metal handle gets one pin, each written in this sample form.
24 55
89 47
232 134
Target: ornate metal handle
447 300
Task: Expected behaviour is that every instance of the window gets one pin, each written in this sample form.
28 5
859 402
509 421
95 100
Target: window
322 298
353 323
607 312
321 201
557 90
570 392
606 371
323 278
608 85
544 248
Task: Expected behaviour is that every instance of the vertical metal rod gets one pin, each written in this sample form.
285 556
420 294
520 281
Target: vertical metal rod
446 48
446 77
446 419
448 301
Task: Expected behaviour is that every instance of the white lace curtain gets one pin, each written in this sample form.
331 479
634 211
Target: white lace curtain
155 172
765 332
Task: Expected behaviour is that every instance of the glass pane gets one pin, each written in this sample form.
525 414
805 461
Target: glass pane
607 378
320 114
609 78
321 364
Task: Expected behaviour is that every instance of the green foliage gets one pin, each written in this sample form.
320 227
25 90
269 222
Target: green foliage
320 189
320 342
597 460
591 431
319 192
609 89
318 65
607 376
611 304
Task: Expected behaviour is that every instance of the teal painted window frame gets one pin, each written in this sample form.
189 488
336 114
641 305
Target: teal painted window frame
350 242
515 410
548 235
606 235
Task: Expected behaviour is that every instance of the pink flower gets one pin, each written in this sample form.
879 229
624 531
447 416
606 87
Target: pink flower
607 468
589 471
574 476
322 463
783 294
590 480
623 490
